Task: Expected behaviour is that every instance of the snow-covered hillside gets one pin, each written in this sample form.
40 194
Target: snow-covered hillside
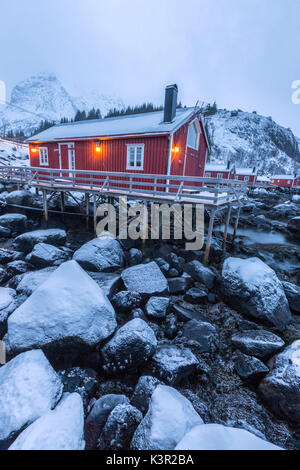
46 98
249 140
12 154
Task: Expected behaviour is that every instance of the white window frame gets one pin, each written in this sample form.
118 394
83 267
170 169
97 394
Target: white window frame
220 176
135 147
196 124
246 178
43 155
207 175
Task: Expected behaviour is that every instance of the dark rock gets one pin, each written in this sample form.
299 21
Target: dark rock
280 389
156 307
82 381
172 273
26 241
292 293
175 262
196 295
185 314
138 313
203 333
132 345
147 279
20 198
7 306
135 256
201 273
15 223
163 265
294 225
26 284
44 255
259 343
119 428
143 391
179 285
171 327
125 301
16 267
252 287
103 406
109 282
171 364
5 232
4 276
250 368
6 256
100 254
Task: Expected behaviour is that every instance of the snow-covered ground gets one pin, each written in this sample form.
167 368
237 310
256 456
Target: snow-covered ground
13 154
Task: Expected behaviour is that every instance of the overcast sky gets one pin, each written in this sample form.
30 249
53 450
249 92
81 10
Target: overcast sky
239 53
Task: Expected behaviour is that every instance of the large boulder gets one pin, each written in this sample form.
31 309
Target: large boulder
52 236
68 309
29 388
132 345
7 306
169 418
44 255
219 437
60 429
252 287
16 223
19 198
30 281
171 363
201 273
100 254
147 279
259 343
280 389
292 293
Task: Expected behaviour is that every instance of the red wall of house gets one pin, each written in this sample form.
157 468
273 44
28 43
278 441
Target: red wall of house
252 178
283 183
214 174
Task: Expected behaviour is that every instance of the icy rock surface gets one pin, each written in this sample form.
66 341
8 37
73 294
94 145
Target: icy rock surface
250 368
280 389
69 307
60 429
259 343
119 428
171 363
52 236
132 345
143 392
32 280
292 293
44 255
21 197
201 273
219 437
252 287
16 223
7 306
169 418
103 406
203 333
147 279
100 254
156 307
29 387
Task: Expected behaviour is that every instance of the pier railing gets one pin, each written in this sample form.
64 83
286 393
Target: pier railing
175 188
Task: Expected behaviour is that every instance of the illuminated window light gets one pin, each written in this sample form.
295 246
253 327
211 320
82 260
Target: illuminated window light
98 147
34 150
175 149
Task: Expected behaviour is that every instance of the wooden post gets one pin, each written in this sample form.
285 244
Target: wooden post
37 191
226 228
45 206
87 209
209 235
95 212
62 201
236 224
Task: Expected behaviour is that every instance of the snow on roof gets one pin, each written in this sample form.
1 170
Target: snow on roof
282 177
148 123
263 178
215 167
245 171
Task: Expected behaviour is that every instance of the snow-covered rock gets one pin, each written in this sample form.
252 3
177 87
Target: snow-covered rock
292 293
30 281
44 255
169 418
143 392
20 197
147 279
156 307
59 429
132 345
124 301
103 406
119 427
259 343
171 363
68 308
219 437
16 223
52 236
201 273
109 282
100 254
29 388
252 287
280 389
7 306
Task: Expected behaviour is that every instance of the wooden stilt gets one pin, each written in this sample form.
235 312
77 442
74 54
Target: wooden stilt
62 201
87 209
236 224
226 228
37 191
209 235
45 206
95 212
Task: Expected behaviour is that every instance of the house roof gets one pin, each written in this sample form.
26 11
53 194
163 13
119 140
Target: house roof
245 171
216 167
282 177
263 178
134 124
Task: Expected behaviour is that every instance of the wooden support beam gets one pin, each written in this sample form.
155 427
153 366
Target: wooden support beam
95 212
87 209
226 228
209 235
62 201
45 206
236 224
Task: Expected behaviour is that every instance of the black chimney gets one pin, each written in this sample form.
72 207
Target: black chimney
170 103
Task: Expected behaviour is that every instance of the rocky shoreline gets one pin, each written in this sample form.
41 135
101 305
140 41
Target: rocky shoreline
128 345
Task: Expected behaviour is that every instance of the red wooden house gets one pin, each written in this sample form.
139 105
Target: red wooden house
219 171
246 174
284 181
169 142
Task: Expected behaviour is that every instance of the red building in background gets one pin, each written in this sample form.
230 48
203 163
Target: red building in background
169 142
219 171
284 181
248 175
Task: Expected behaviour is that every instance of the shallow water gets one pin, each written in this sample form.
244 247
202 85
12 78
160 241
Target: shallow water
262 237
